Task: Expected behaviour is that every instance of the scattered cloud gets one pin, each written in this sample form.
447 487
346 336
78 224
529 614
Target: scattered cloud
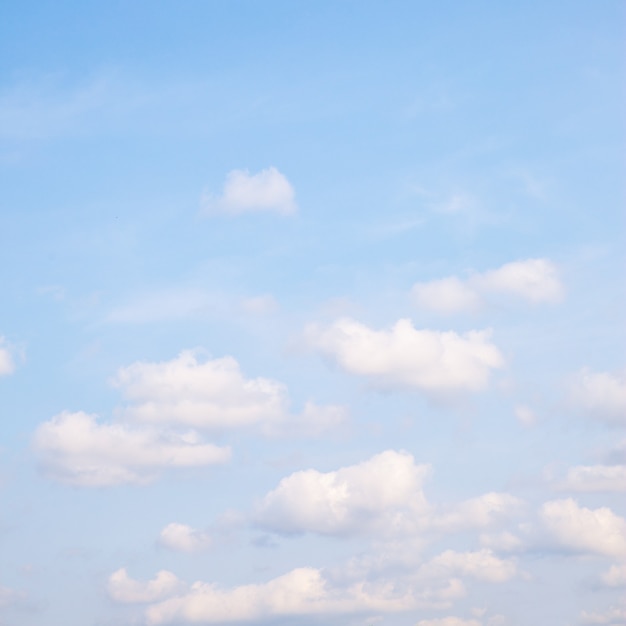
600 396
125 590
260 305
576 528
436 363
215 395
183 538
533 280
7 364
76 449
267 191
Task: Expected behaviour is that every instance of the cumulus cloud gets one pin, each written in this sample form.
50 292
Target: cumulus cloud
301 592
596 478
383 494
600 395
215 395
350 499
184 538
615 576
434 362
576 528
123 589
448 621
267 191
533 280
7 364
76 449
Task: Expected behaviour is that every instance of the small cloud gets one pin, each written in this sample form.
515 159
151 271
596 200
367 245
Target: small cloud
123 589
534 280
615 576
183 538
268 191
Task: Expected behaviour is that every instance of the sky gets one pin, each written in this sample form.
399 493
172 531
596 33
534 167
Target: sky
312 313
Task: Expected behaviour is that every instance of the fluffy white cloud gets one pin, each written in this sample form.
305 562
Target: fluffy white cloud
267 191
600 395
215 395
448 621
434 362
7 364
596 478
613 616
482 565
184 538
351 499
123 589
577 528
533 280
383 494
303 591
615 576
76 449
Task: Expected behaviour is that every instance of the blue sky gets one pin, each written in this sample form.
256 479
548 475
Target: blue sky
312 313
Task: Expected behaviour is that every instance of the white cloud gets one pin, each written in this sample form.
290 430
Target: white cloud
260 305
600 395
351 499
504 541
482 565
434 362
7 364
267 191
613 616
9 596
596 478
76 449
123 589
598 531
215 395
615 576
184 538
448 621
303 591
533 280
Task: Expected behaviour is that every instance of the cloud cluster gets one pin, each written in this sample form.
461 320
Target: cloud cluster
266 191
76 449
152 433
596 478
436 363
533 280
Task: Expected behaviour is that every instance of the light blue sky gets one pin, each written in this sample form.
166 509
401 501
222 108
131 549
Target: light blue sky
281 183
